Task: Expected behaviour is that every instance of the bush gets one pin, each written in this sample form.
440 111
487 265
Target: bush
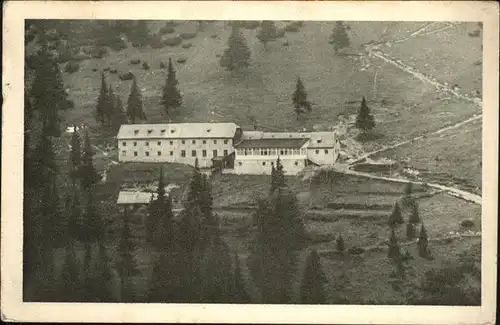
64 56
187 45
127 76
214 36
117 44
187 35
94 69
356 250
135 61
113 70
217 55
157 43
479 62
72 67
285 43
292 27
475 33
99 52
181 60
162 65
280 33
145 65
106 69
167 30
467 223
173 41
249 24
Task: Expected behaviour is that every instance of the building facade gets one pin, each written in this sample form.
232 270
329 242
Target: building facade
177 142
225 146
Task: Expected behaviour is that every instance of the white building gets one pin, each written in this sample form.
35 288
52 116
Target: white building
177 142
226 146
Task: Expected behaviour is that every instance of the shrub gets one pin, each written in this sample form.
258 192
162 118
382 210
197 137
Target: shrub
214 36
356 250
280 32
467 223
113 70
99 52
126 76
285 43
181 60
117 44
162 65
187 35
217 55
479 62
157 43
475 33
292 27
249 24
167 29
72 67
94 69
145 65
135 61
187 45
106 69
172 41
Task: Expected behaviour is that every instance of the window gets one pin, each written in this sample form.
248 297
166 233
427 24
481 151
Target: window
150 131
147 144
171 153
296 163
159 153
215 141
265 152
135 144
147 153
193 153
225 152
194 141
162 131
225 141
240 163
135 153
159 143
171 143
204 153
124 153
326 151
124 144
318 141
263 163
183 153
183 142
317 152
136 132
272 163
246 152
215 153
204 141
281 152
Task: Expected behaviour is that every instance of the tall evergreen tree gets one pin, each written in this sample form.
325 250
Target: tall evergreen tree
135 107
410 231
88 174
171 98
75 157
240 294
414 215
312 289
340 244
423 242
277 176
364 120
299 99
237 55
160 223
126 266
267 32
394 250
339 37
117 115
396 217
102 107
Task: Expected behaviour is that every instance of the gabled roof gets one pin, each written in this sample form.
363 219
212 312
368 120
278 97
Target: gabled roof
322 140
272 143
177 131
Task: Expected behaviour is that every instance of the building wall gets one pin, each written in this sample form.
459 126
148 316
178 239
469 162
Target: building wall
258 165
321 156
170 150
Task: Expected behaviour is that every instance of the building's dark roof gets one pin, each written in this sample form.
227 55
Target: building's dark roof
272 143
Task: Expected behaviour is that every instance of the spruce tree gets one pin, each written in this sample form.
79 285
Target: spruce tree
73 211
273 179
126 266
410 231
364 120
102 107
340 244
88 174
171 98
279 176
240 294
299 99
423 241
312 289
117 117
267 32
237 55
160 226
396 217
339 37
75 157
414 215
394 251
135 109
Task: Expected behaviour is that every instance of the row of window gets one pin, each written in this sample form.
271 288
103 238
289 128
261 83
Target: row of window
124 143
264 163
183 153
273 152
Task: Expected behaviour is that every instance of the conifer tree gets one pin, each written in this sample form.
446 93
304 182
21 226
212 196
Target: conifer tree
312 288
88 174
240 294
160 220
126 266
117 115
339 37
396 217
279 176
102 107
414 215
340 244
364 120
299 99
135 109
70 279
73 211
171 98
410 231
423 250
394 251
273 179
267 32
237 55
75 156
